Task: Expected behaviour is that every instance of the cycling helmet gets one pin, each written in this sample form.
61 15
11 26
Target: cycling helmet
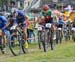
45 7
42 17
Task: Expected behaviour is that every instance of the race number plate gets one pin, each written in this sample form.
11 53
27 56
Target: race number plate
73 29
48 25
59 28
13 27
39 28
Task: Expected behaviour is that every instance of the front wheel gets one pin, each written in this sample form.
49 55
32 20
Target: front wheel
45 42
40 39
15 46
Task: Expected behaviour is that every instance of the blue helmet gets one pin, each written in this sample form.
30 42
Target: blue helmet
21 12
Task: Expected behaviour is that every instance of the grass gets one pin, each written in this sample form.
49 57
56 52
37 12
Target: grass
64 52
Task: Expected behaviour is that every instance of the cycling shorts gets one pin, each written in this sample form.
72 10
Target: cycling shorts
49 21
23 25
59 25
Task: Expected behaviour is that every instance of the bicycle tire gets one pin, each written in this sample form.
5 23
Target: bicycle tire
39 39
51 38
73 36
1 45
15 48
45 42
24 45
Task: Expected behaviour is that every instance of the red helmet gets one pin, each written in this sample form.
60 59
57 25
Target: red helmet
45 7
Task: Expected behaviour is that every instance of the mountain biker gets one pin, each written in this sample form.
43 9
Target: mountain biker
21 20
3 32
18 18
60 24
11 26
46 14
47 21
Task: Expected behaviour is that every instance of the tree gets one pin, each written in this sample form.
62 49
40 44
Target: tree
3 2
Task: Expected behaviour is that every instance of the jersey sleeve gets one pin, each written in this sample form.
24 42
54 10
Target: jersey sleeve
49 13
43 13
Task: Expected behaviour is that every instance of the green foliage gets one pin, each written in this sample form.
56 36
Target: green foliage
3 2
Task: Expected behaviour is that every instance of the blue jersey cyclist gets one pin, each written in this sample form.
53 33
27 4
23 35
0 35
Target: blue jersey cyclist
60 22
3 23
20 20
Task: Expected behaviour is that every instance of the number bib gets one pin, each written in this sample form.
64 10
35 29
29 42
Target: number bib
39 28
59 28
73 29
48 25
13 27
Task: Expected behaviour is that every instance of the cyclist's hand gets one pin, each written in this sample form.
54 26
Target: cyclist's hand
17 28
43 17
20 24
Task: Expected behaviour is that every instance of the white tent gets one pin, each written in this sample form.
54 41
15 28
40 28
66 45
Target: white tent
69 8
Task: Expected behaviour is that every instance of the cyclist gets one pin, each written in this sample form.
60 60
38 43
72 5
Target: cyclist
18 18
11 26
21 20
3 32
60 24
46 13
47 21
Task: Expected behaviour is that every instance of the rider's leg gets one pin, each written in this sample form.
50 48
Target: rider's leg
7 33
28 35
25 37
25 33
4 40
